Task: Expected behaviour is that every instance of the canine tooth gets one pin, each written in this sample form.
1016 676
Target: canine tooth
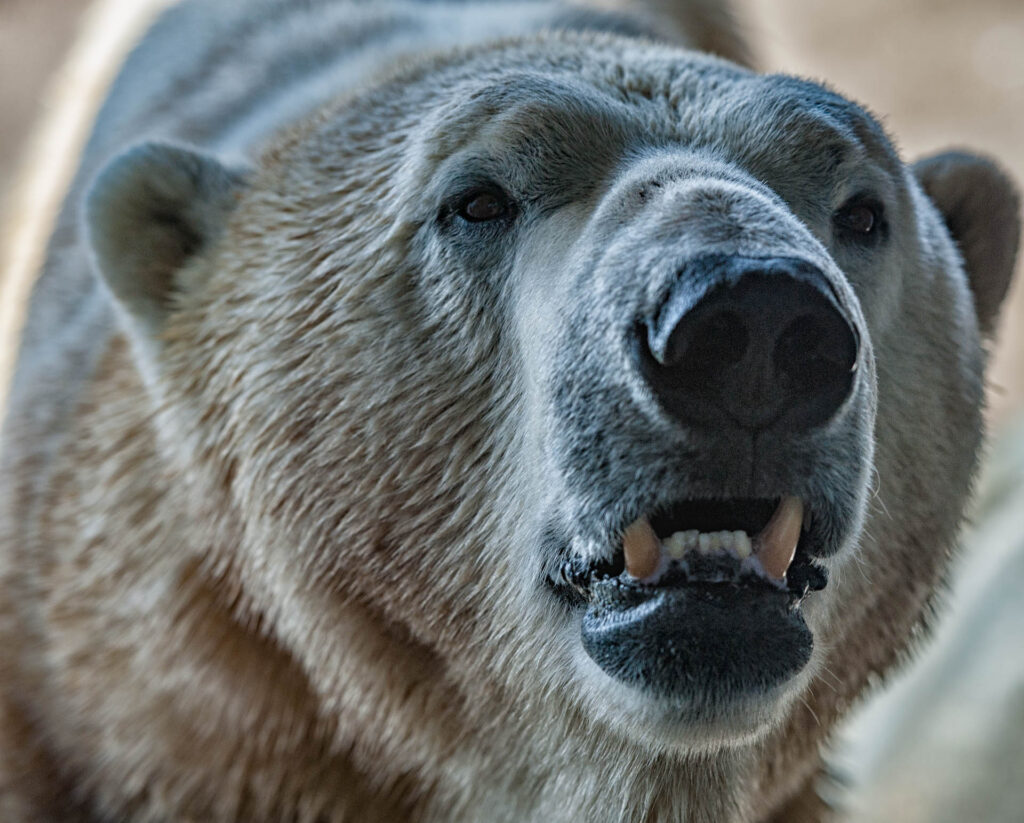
676 545
704 542
642 548
741 545
775 546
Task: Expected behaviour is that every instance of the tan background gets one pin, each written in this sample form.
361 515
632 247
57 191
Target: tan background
34 34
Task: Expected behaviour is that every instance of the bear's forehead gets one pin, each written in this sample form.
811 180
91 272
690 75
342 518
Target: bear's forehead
581 91
691 107
562 107
598 107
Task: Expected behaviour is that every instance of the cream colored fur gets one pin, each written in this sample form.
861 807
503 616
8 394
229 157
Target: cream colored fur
266 550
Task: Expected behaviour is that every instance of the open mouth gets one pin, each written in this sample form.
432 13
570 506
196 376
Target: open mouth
702 602
741 542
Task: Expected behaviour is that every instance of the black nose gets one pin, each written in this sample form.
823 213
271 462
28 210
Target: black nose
755 342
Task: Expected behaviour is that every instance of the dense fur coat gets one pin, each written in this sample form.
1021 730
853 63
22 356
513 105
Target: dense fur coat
304 436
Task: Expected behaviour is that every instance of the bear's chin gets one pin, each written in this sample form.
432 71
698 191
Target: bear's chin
702 723
696 667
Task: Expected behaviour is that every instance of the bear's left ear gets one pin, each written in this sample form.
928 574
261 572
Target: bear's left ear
981 208
149 211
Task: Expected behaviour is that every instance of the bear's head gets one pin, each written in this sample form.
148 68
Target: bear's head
572 378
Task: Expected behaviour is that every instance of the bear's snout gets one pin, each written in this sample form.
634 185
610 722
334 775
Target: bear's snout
749 342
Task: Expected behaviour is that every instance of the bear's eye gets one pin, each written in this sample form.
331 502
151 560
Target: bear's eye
859 221
483 205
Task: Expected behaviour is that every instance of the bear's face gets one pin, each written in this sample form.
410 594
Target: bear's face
615 378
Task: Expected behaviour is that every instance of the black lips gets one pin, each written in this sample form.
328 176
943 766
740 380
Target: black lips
697 642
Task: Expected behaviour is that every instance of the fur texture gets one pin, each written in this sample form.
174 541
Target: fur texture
287 434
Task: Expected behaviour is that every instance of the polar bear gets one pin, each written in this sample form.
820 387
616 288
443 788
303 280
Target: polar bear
448 411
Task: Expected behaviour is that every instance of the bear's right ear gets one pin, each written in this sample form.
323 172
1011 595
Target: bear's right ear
150 210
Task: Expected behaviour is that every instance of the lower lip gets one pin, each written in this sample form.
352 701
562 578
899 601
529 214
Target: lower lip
686 642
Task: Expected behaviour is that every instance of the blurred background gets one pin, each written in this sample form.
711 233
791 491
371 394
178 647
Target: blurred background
944 741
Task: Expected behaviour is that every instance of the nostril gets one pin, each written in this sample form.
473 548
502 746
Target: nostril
815 353
801 348
716 342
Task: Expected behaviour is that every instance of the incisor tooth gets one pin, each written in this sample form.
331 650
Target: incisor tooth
676 545
741 545
642 549
775 546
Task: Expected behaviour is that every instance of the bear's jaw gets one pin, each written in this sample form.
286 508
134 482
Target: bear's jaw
700 608
743 542
652 552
